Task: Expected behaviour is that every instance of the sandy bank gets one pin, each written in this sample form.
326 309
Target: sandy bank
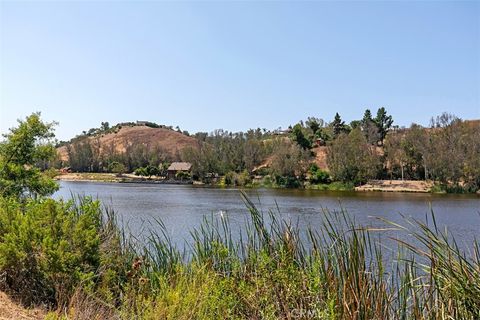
396 186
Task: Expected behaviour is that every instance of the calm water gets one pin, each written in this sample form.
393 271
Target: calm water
182 207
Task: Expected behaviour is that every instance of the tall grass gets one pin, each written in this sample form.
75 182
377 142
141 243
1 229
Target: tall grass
272 269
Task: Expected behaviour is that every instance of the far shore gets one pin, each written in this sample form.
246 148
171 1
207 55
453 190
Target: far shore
373 185
111 177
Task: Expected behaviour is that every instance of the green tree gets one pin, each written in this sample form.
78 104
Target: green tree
384 123
289 160
141 172
369 128
299 137
152 170
367 117
23 148
395 153
338 126
105 126
351 159
315 124
356 124
118 168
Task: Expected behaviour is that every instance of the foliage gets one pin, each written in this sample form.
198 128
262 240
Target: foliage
48 247
141 172
351 159
383 122
183 175
117 168
317 175
24 149
338 126
335 270
223 151
241 179
87 155
289 160
299 137
447 153
64 254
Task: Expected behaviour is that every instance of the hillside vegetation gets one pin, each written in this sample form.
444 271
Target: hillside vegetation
312 154
133 145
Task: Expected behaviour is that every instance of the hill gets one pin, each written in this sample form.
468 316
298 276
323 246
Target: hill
171 142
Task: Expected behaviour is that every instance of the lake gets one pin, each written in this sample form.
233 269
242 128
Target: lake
182 207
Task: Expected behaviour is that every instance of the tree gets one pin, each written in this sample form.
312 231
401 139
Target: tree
152 170
315 124
351 159
117 168
338 126
24 147
105 126
299 137
383 122
367 117
289 160
141 172
355 124
450 149
416 146
369 128
395 153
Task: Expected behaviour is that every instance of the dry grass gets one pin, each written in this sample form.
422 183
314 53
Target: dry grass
10 309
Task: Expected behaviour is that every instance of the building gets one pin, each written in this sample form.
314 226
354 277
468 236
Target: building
177 167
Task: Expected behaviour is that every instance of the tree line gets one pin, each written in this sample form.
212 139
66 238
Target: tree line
448 152
371 147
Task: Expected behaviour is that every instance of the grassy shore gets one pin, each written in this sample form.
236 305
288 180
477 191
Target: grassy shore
72 258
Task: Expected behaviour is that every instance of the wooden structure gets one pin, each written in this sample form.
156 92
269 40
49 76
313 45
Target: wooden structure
177 167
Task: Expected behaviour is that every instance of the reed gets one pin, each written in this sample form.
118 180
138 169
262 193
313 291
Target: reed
272 269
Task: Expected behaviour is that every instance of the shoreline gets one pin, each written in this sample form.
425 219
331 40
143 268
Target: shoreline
407 186
112 178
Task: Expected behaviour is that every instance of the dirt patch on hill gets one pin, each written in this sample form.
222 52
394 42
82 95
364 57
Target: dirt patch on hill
11 310
321 157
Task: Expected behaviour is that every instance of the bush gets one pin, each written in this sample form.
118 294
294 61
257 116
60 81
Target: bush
141 172
318 176
237 179
47 247
183 175
287 181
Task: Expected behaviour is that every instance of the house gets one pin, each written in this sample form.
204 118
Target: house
177 167
66 170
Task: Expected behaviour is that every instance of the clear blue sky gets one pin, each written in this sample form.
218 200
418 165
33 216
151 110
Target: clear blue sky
236 65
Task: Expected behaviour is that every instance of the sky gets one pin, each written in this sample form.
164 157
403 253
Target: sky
236 65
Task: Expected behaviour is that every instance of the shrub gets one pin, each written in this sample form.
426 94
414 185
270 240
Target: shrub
47 247
183 175
317 175
141 172
237 179
287 181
